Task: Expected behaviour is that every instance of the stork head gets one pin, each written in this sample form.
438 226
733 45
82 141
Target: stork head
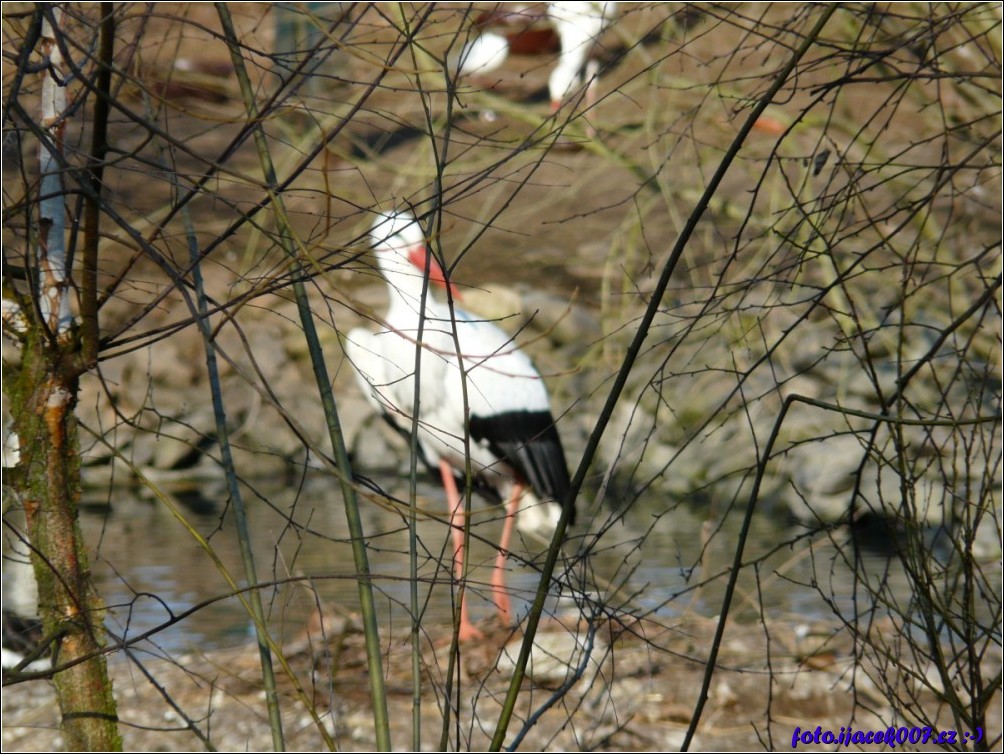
396 231
399 245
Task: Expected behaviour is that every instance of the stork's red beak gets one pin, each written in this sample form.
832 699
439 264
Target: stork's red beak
418 255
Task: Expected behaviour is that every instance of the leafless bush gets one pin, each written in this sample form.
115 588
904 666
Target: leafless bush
761 276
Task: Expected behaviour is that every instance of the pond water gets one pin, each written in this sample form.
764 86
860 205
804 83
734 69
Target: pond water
659 559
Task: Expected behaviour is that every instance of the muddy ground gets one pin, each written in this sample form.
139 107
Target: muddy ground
638 692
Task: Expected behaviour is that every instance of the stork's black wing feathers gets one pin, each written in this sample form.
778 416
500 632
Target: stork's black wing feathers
529 442
480 486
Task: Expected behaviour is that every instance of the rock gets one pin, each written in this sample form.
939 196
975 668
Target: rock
556 656
495 303
376 447
564 321
832 477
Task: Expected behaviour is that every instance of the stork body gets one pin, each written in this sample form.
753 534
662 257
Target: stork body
514 447
483 54
579 25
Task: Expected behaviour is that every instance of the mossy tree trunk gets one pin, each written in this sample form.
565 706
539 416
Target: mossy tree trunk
48 481
54 353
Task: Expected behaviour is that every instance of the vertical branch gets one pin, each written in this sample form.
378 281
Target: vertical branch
367 603
53 278
415 452
92 203
233 488
621 380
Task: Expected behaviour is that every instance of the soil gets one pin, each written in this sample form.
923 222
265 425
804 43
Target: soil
638 691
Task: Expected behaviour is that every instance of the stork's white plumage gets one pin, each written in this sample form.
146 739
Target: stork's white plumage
579 25
483 54
514 446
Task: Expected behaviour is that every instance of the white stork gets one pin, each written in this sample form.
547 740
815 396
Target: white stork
515 449
577 24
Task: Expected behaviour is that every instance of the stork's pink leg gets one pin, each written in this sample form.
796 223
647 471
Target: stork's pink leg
467 630
499 594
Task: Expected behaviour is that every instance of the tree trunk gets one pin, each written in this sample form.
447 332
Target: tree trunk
48 480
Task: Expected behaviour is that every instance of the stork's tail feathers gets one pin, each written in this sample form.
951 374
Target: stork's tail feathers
537 518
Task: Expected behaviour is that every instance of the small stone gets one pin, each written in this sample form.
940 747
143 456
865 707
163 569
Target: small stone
556 656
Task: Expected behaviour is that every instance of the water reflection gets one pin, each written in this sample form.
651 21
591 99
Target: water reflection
660 559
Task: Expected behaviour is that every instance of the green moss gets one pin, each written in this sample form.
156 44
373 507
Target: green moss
47 481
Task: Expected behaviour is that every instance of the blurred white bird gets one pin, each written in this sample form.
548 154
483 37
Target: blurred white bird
578 25
483 54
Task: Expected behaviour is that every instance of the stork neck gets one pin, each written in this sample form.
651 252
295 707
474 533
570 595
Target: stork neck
405 281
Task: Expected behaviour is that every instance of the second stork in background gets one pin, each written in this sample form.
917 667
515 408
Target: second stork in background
571 27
